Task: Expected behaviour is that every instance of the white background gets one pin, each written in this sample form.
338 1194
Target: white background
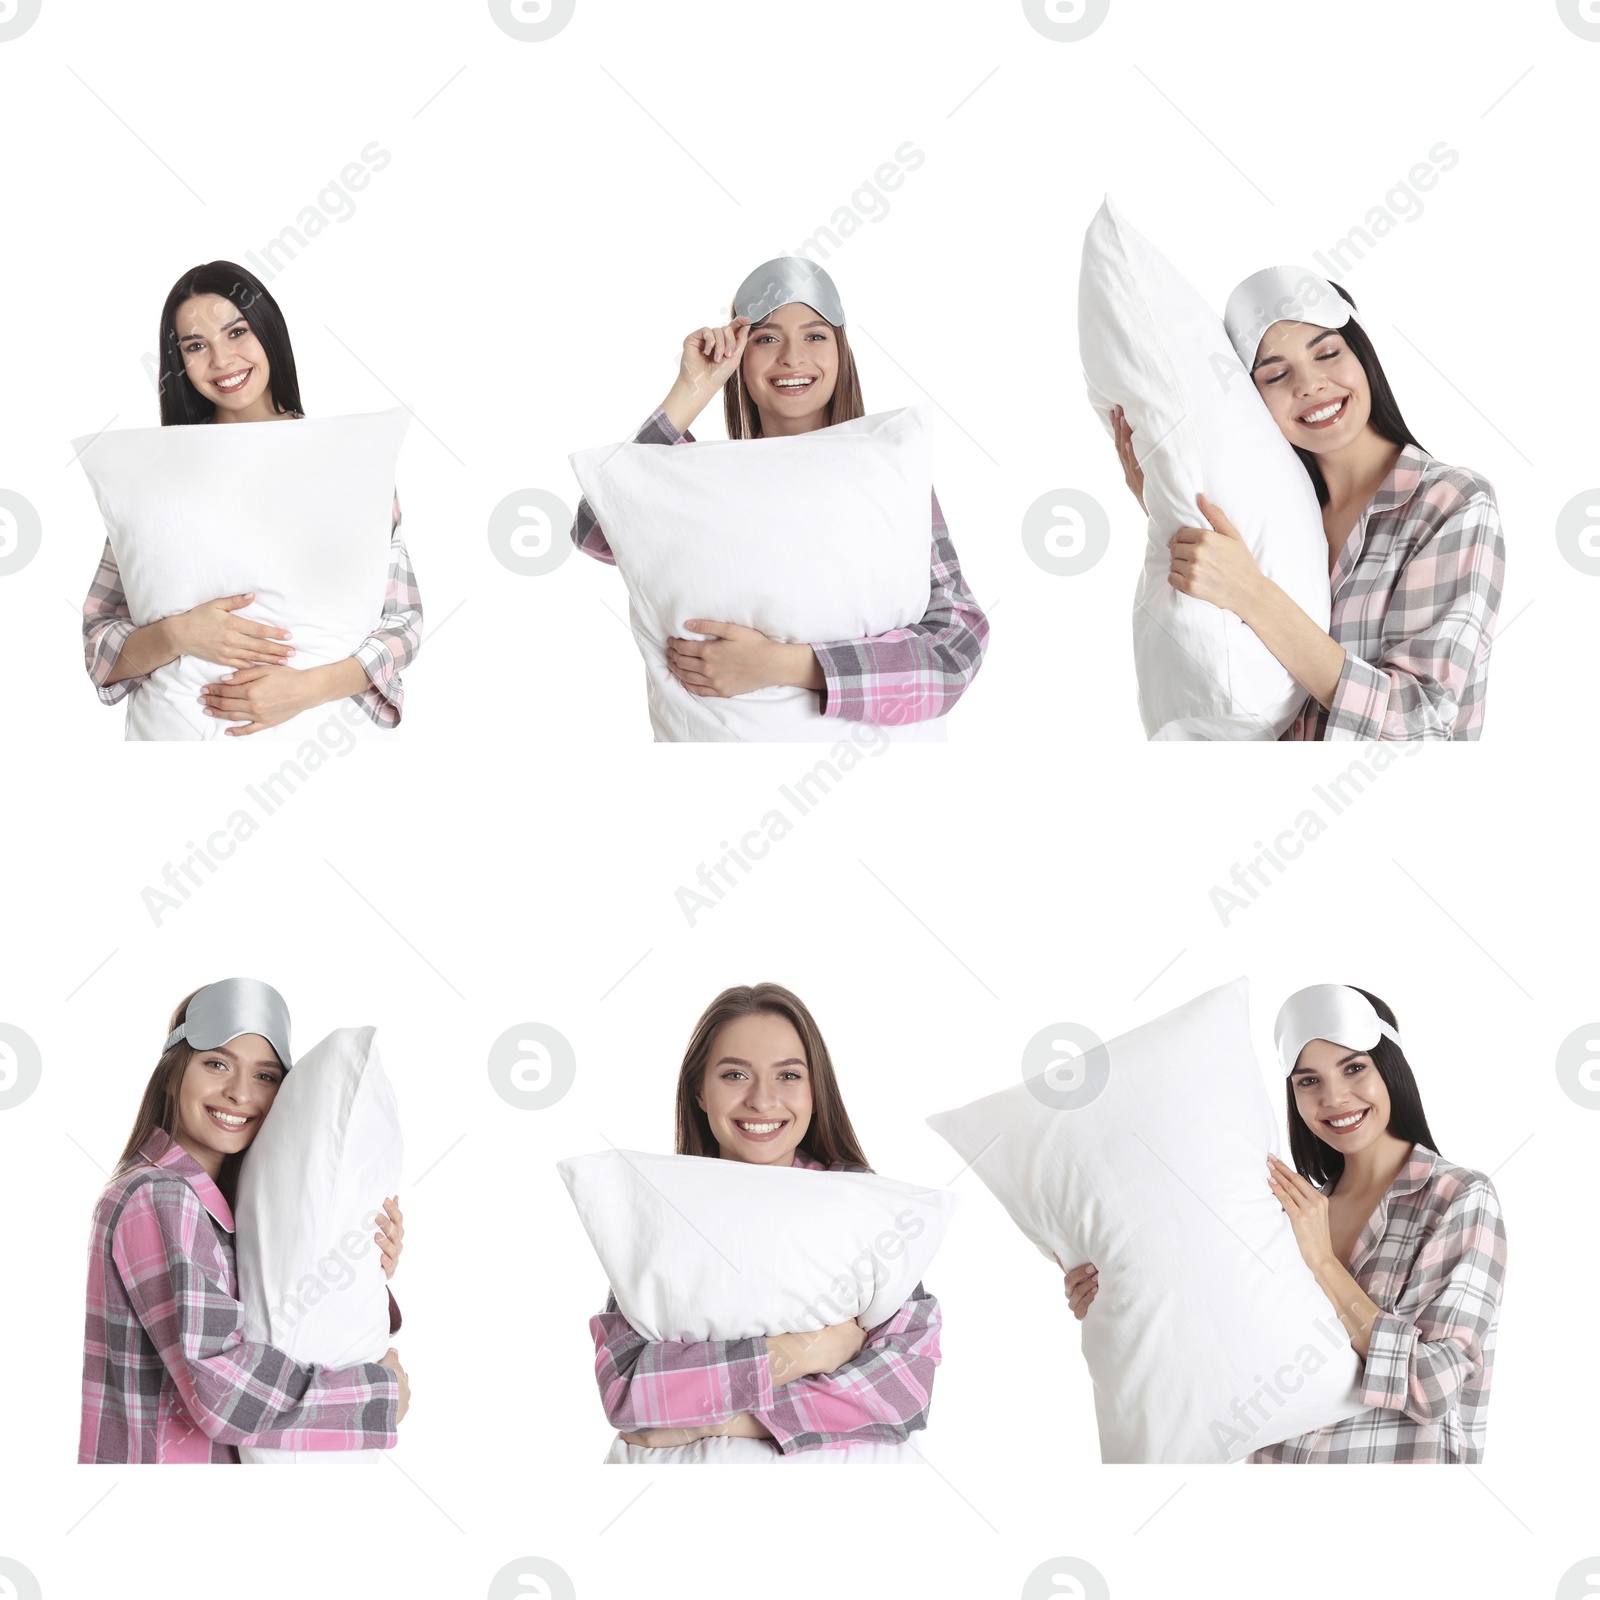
521 274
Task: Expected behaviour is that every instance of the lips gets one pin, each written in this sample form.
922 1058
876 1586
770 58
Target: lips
792 383
760 1132
228 1121
1325 415
1349 1122
233 382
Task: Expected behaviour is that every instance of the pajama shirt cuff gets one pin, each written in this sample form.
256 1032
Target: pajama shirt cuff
1359 701
1386 1377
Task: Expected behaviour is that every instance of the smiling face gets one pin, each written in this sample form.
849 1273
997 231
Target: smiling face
756 1092
224 359
1341 1096
1313 385
790 368
224 1097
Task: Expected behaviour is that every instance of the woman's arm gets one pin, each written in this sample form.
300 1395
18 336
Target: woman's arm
905 675
1419 1364
263 697
648 1384
703 1386
911 674
1216 565
1438 626
1414 1364
236 1391
883 1393
392 646
119 656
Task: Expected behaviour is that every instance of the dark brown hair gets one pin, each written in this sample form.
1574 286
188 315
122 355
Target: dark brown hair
742 418
1319 1161
829 1139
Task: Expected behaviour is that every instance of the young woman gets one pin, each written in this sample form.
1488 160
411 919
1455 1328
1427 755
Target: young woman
226 357
784 366
757 1085
1415 553
1408 1247
168 1372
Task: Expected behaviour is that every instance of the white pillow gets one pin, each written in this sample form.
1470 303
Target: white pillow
812 538
1151 345
1209 1337
697 1248
296 512
310 1186
762 1453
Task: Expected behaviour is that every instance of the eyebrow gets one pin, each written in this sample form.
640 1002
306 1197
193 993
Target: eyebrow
234 1056
1315 339
766 322
223 329
739 1061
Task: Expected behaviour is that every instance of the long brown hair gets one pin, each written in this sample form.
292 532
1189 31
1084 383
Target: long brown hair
845 404
829 1139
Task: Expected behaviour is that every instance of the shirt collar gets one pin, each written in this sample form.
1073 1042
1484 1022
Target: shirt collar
1418 1169
1404 477
801 1159
1397 488
161 1150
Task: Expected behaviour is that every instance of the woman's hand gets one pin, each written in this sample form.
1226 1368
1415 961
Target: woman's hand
262 697
391 1360
1307 1209
1132 472
391 1234
742 1426
710 357
1082 1284
212 632
1215 563
738 660
804 1355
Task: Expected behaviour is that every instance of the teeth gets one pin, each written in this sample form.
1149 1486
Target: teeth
236 382
1346 1122
792 383
229 1121
760 1127
1323 414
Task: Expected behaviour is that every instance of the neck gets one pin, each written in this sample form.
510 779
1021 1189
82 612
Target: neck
1377 1166
262 410
210 1159
785 1160
1356 471
786 427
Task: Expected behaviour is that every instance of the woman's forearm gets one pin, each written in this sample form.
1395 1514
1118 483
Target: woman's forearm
338 680
685 401
1311 656
145 649
1354 1307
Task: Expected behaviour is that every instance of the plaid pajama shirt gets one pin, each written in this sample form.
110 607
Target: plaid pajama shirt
1416 591
1433 1258
882 1394
906 675
168 1373
384 653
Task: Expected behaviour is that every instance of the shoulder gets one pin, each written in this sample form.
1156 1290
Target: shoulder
146 1191
1458 1189
1450 491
